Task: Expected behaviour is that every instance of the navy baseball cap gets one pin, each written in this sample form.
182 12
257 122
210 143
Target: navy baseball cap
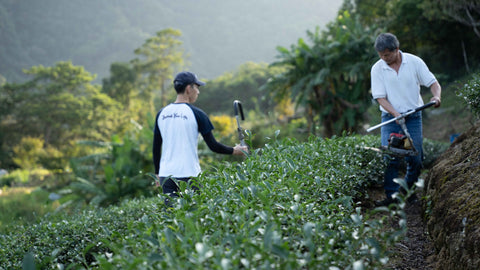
186 78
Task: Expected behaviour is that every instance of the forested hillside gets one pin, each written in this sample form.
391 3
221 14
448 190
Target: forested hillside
218 35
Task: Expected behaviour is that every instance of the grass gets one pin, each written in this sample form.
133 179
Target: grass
23 205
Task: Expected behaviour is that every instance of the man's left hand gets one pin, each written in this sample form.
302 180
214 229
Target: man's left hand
437 101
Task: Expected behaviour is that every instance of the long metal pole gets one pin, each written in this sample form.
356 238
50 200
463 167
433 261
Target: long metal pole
402 116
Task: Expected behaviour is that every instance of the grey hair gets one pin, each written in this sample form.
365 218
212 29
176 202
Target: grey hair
386 41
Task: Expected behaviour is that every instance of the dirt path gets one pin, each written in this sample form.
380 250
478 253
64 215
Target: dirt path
415 252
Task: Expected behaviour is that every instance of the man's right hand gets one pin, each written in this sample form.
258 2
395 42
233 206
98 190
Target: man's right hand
157 181
239 150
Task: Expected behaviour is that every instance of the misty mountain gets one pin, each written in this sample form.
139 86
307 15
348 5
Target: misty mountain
218 35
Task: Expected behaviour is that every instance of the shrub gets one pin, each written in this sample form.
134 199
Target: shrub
21 177
432 150
224 125
289 205
470 93
28 152
111 176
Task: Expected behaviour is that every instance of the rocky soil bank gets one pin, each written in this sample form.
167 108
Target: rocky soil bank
452 204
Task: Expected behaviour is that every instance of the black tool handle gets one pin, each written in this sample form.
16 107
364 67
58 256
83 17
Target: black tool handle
431 103
237 108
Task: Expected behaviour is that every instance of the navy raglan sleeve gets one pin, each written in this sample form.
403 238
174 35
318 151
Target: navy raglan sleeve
204 123
205 128
157 145
216 146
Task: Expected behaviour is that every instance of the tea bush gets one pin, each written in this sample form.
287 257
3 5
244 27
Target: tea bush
289 205
470 93
432 150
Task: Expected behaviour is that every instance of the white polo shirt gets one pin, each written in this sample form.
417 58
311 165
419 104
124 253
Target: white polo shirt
401 89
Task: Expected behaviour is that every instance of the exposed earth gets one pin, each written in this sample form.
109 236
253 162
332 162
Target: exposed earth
444 225
416 250
453 206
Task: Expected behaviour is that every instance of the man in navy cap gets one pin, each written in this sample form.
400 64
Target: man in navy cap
176 130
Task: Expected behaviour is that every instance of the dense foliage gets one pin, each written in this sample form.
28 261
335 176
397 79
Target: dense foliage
329 74
158 58
58 105
242 84
287 206
112 175
466 12
424 28
470 93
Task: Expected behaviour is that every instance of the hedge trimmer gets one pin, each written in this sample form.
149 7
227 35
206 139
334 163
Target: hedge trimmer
238 110
401 144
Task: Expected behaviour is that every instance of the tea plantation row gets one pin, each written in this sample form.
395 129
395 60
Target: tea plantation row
289 205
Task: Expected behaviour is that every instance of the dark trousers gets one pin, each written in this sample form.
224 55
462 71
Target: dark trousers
171 188
414 164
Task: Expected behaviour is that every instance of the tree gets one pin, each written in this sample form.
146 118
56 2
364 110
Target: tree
59 105
423 28
466 12
331 76
7 139
122 87
370 12
460 14
121 83
242 84
160 57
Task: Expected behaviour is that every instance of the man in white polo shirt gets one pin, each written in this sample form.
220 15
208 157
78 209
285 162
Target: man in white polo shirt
176 131
395 80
